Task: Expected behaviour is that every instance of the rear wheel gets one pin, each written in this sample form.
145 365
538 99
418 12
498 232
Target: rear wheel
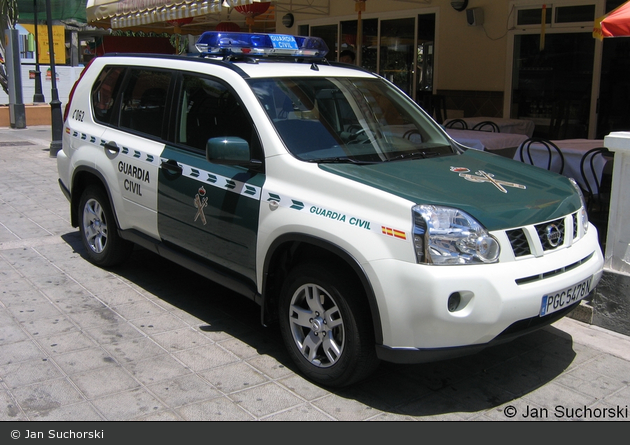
326 326
99 233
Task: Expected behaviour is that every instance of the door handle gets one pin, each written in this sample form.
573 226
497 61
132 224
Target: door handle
111 146
171 167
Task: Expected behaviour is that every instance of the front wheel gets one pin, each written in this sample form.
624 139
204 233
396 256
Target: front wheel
326 326
99 232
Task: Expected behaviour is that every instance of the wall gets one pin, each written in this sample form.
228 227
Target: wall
66 76
469 58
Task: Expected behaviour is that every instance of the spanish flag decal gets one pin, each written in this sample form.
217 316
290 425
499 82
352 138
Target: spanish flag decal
393 232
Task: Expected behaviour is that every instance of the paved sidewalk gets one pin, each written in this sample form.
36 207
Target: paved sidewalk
152 341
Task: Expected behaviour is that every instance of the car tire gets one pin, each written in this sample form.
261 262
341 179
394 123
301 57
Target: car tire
330 338
99 231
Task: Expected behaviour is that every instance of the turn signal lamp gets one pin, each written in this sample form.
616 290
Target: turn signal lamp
219 43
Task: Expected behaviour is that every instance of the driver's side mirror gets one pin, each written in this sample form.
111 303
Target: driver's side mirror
230 150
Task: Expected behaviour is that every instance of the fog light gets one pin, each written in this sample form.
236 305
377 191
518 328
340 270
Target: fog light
453 301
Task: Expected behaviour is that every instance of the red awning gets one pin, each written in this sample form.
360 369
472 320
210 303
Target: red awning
130 13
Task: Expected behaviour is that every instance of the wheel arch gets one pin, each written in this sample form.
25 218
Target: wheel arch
291 249
84 177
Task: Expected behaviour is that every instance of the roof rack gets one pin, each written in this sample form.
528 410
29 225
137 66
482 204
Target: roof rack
230 45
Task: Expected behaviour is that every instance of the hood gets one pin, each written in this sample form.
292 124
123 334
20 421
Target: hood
499 192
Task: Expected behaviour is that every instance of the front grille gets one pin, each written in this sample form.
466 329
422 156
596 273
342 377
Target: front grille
519 242
542 237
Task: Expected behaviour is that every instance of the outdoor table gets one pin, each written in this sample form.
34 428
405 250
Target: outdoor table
485 140
517 126
572 151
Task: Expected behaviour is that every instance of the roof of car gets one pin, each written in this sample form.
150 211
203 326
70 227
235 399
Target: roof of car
254 67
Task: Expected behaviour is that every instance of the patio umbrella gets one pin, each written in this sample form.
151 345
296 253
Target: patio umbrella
614 24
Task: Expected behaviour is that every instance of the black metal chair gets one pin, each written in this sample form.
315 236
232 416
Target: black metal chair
598 183
457 123
434 105
549 151
488 126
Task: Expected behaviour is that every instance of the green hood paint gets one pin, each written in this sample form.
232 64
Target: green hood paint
430 181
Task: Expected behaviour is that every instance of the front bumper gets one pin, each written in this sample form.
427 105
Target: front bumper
517 329
499 301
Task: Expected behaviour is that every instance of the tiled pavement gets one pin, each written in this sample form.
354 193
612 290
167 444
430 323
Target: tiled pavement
152 341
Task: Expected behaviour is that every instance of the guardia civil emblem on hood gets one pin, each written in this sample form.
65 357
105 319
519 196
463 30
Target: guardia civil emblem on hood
481 176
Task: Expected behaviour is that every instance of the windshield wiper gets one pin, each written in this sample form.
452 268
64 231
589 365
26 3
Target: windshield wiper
414 155
340 160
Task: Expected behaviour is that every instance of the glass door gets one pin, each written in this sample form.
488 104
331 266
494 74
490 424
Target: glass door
398 52
369 48
425 54
551 83
613 106
329 33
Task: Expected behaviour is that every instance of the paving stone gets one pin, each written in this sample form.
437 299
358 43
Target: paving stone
104 381
127 405
234 377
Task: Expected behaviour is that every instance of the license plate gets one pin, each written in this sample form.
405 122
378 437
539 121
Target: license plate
556 301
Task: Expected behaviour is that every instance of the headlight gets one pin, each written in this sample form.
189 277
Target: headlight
445 236
583 212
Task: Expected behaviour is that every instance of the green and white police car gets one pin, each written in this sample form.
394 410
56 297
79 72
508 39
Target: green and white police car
326 195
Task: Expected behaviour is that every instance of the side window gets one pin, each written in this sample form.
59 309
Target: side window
144 101
209 109
104 93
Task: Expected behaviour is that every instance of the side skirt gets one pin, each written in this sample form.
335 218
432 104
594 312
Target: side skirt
213 272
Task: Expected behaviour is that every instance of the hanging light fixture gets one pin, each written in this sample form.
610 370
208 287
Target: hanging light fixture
228 27
252 10
178 23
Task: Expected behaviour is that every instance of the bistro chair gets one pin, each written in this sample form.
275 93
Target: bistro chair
598 183
457 123
547 152
488 126
434 105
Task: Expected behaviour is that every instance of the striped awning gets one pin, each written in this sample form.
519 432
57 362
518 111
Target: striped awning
130 13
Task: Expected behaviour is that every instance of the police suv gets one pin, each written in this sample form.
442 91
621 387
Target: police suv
323 193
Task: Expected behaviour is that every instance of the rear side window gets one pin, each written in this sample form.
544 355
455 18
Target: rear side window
143 103
104 93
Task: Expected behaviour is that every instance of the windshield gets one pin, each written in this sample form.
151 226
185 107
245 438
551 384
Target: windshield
348 120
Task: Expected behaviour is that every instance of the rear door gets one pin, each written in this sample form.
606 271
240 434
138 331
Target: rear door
133 103
208 209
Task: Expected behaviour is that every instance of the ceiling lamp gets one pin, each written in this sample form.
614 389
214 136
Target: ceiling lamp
178 23
228 27
460 5
252 10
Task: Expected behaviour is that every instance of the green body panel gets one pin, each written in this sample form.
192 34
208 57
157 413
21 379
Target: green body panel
546 195
231 212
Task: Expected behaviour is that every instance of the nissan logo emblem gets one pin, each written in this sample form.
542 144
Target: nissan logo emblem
553 234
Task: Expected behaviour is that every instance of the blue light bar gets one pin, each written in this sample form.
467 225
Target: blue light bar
262 45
